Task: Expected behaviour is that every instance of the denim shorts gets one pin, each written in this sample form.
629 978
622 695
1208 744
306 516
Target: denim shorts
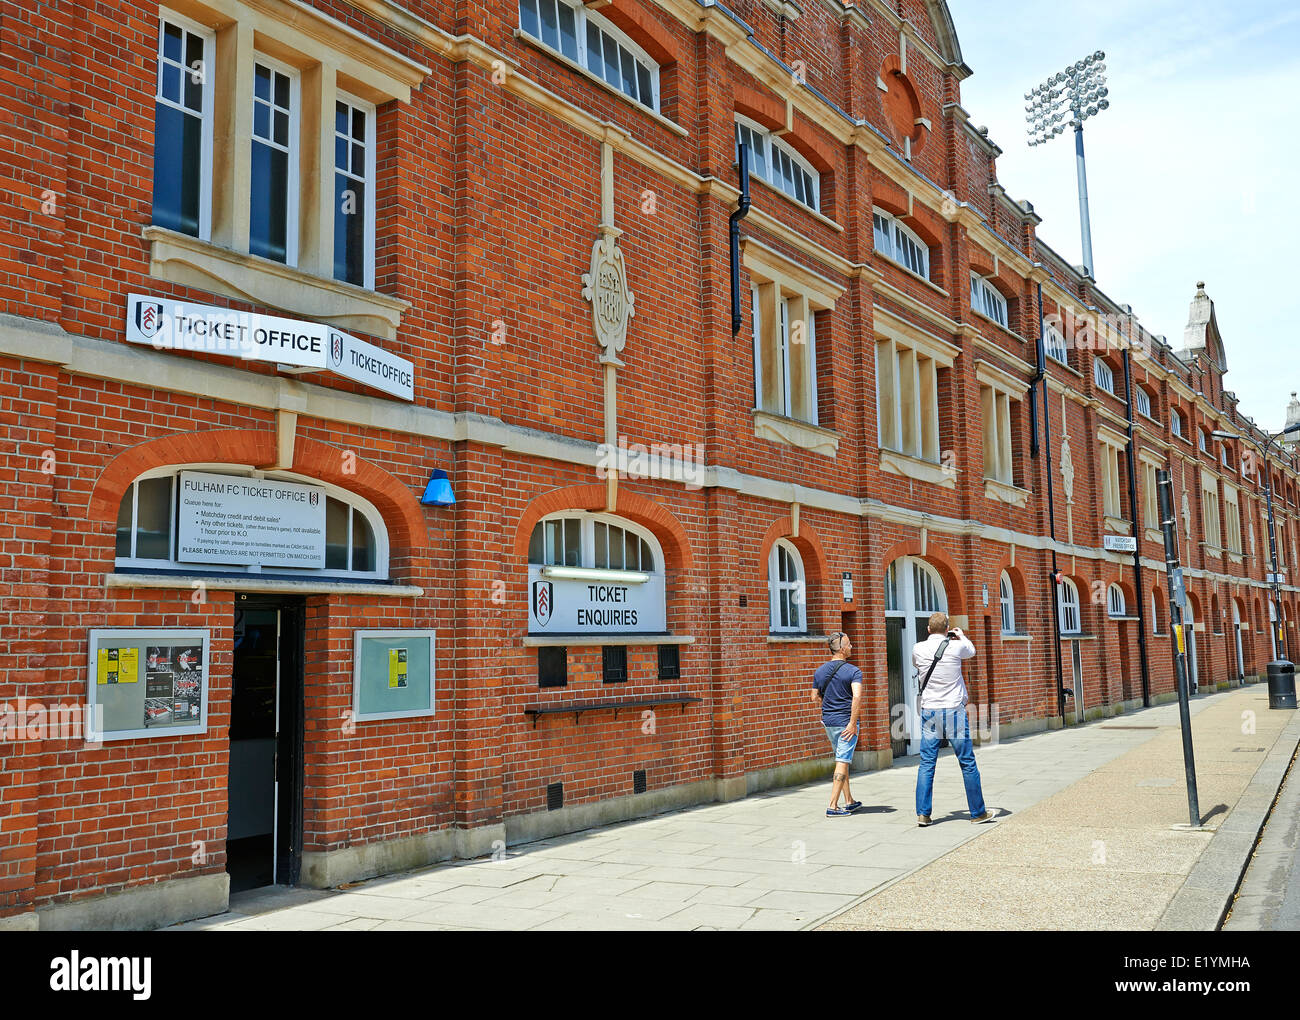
843 746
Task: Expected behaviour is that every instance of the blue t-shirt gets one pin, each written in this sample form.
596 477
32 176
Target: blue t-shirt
837 694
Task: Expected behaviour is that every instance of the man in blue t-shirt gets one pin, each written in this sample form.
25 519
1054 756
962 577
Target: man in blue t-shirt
837 686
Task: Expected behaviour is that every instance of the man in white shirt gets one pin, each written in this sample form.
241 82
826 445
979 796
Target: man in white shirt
943 715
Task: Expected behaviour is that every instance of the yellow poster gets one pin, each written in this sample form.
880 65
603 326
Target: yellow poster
119 665
396 667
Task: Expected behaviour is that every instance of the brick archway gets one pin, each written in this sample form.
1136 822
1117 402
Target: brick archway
937 558
250 447
591 498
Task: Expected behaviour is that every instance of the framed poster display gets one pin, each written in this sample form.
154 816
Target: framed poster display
144 682
393 674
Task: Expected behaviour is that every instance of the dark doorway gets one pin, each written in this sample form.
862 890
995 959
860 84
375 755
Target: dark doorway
264 816
897 697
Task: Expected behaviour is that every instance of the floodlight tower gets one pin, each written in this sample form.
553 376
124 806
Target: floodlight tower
1080 92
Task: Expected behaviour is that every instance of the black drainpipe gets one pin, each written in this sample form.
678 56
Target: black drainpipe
1041 376
742 210
1137 526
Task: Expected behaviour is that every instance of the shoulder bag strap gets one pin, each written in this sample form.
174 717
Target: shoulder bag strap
943 646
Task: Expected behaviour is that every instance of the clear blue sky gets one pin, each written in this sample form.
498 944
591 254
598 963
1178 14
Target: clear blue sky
1190 172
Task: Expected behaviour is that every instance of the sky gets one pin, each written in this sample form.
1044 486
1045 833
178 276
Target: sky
1190 171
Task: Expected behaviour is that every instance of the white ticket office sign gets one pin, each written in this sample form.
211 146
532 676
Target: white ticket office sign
565 606
229 519
294 345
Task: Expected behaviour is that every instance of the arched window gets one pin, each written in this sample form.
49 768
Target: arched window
1155 612
1115 603
589 39
985 299
1102 375
777 163
589 541
900 243
785 579
1176 423
1142 400
1007 600
1054 345
594 573
154 511
1067 597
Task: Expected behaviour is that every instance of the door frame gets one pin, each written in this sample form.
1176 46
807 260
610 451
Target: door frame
290 729
905 609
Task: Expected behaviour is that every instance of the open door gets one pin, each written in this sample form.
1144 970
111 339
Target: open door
264 795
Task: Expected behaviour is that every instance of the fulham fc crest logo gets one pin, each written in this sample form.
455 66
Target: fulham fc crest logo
148 318
336 350
543 601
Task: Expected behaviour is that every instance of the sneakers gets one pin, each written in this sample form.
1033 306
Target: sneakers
989 815
923 820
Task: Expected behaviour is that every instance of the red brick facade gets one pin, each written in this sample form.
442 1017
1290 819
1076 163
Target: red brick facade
488 199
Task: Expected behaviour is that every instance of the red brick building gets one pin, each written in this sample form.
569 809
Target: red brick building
266 267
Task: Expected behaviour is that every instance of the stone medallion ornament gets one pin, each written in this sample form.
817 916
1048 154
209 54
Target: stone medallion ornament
612 303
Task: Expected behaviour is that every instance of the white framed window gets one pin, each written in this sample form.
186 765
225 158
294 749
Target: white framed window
596 541
356 540
777 163
1142 401
785 579
1176 423
1202 440
354 191
1225 455
1155 614
907 399
1054 345
1150 495
1103 376
182 166
900 243
1111 449
589 39
1210 513
785 352
1115 602
1007 602
1232 518
273 182
986 300
995 402
1067 600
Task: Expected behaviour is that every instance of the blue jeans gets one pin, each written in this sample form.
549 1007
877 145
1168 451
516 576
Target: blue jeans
954 724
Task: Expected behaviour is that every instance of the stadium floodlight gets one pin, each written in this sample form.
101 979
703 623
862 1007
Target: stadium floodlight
1079 92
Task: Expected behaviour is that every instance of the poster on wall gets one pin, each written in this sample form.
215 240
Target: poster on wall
393 674
145 683
233 519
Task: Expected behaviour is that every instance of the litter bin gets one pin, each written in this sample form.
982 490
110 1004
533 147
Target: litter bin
1281 684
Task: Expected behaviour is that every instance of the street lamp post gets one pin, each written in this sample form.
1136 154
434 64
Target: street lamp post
1264 448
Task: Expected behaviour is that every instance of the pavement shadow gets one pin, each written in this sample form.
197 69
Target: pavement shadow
875 809
1218 809
964 816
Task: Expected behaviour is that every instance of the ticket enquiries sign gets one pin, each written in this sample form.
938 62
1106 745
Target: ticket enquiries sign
565 606
168 325
235 519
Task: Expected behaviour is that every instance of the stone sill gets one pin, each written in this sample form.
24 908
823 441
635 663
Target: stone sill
592 640
191 262
1118 524
1078 637
1005 329
1016 637
1154 534
819 217
252 582
1004 492
915 276
777 428
922 470
573 65
795 639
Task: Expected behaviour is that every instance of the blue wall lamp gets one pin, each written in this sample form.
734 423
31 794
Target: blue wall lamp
438 491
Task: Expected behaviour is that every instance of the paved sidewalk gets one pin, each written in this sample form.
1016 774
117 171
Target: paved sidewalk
1269 897
1107 853
774 861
